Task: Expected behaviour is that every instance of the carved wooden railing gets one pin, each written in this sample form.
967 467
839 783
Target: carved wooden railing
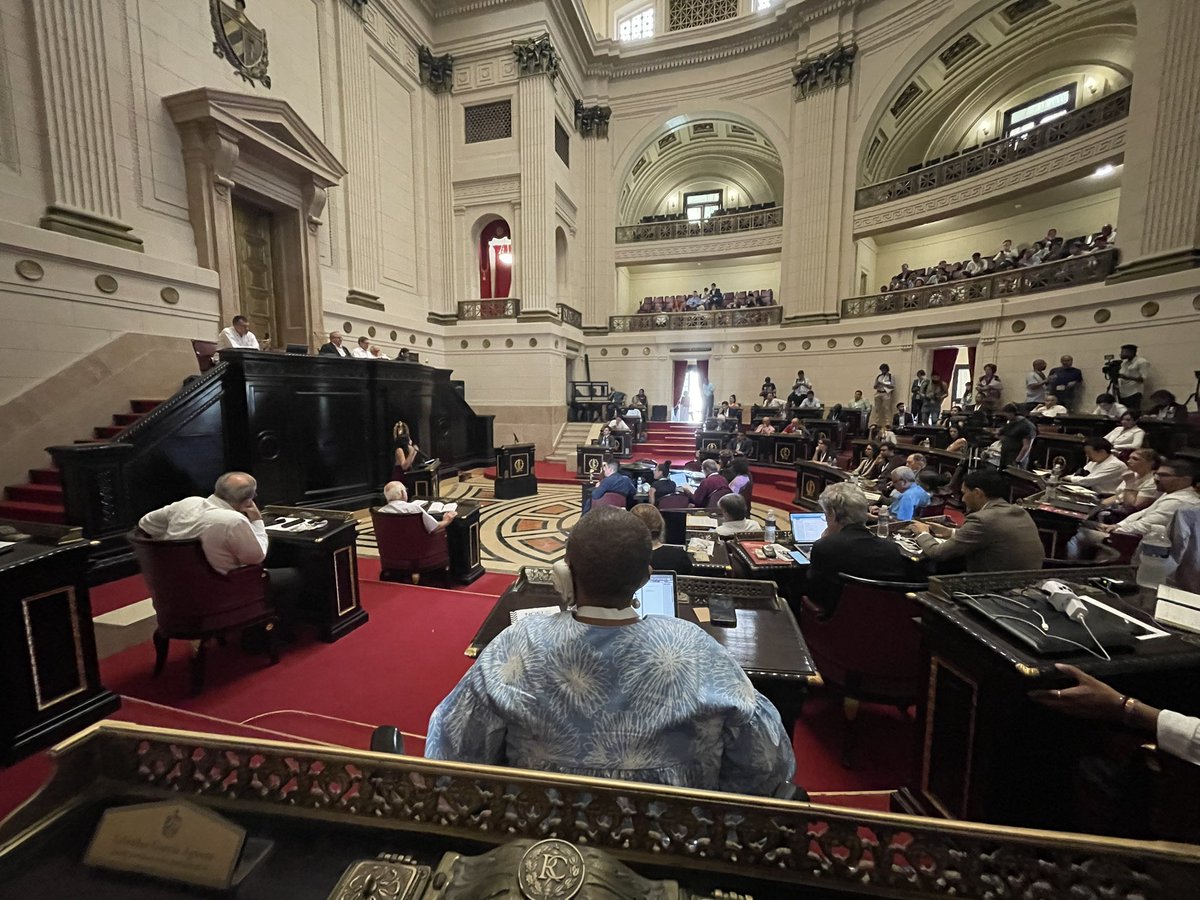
692 321
1009 150
1074 270
731 223
504 308
570 316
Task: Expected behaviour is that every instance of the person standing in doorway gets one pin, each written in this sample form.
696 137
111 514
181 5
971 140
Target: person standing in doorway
709 390
885 387
920 390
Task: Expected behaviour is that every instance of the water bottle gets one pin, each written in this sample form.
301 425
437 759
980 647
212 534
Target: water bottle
884 520
769 531
1155 564
1052 482
925 443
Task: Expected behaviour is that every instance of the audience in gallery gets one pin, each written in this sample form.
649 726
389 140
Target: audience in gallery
1050 248
1127 434
709 299
735 516
703 726
1103 472
396 495
847 546
995 536
613 481
663 557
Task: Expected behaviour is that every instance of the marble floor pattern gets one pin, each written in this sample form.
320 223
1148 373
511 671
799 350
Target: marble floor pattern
527 531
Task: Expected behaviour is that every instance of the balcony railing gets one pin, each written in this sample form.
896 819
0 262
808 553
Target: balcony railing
732 223
570 316
1073 270
696 321
1081 121
505 308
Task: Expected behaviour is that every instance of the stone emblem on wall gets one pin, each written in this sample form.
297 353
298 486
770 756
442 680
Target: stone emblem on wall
824 70
240 41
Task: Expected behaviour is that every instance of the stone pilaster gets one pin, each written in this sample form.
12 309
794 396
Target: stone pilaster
1159 228
444 235
361 185
533 241
74 69
596 237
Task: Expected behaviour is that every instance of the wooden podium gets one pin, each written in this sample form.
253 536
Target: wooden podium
423 481
514 471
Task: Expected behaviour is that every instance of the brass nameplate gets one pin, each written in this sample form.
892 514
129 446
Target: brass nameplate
174 840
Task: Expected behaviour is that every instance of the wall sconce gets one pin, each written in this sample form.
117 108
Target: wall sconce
733 196
985 129
1091 86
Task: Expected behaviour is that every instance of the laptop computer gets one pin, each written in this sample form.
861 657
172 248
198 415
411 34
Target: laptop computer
683 479
807 528
657 596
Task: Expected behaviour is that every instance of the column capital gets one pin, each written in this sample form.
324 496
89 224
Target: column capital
536 56
436 72
824 70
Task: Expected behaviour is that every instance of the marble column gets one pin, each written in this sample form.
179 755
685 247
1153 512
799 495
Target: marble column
533 241
74 68
443 233
597 240
362 183
1159 227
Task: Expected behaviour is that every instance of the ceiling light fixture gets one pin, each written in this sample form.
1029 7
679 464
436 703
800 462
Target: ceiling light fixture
1106 169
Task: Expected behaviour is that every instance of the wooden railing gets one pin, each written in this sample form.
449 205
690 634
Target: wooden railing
694 321
1079 122
731 223
1074 270
504 308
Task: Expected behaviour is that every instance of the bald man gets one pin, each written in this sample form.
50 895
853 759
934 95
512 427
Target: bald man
334 347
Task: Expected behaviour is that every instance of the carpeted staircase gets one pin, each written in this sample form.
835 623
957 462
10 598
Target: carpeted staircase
40 499
668 440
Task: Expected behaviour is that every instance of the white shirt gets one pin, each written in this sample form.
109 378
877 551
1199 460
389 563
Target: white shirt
774 403
729 528
406 507
361 353
1126 437
1134 367
229 338
1103 477
974 268
1160 512
228 538
1054 409
861 403
1179 735
884 384
1146 489
810 403
1115 411
886 436
1035 386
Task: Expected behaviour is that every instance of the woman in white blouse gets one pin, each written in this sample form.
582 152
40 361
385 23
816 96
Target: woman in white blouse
1137 489
1127 434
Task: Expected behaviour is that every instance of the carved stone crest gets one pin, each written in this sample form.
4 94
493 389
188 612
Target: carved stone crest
536 56
240 41
551 870
437 72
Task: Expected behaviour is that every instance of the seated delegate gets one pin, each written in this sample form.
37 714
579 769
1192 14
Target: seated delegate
613 482
735 517
586 691
396 495
663 557
713 481
907 495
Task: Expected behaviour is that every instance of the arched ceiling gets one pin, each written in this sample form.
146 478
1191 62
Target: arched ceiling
700 153
1013 52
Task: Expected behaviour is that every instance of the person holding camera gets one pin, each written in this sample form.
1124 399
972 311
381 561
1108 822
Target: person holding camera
1131 375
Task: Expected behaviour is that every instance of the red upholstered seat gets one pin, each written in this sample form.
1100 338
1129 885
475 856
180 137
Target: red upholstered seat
746 490
617 500
405 547
715 497
869 648
195 602
673 501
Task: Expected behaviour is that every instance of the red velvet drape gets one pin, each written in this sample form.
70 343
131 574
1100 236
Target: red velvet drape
702 368
503 273
681 367
971 362
943 364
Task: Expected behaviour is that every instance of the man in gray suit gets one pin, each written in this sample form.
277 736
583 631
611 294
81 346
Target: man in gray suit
995 536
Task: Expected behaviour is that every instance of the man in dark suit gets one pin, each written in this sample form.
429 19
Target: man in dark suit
334 347
849 547
995 536
903 418
741 445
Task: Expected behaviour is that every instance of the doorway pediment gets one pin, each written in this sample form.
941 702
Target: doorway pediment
268 125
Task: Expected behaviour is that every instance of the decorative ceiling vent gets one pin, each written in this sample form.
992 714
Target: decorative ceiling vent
1023 9
907 96
959 50
702 129
668 140
693 13
488 121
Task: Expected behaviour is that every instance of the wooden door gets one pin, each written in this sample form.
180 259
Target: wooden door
252 226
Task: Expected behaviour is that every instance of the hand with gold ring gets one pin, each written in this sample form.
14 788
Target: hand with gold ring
1088 698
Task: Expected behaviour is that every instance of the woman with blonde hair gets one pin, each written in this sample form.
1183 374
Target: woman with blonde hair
406 449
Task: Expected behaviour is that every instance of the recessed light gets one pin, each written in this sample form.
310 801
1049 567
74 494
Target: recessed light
1106 169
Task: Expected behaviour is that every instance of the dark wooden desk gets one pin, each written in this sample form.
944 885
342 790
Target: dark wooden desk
1057 520
514 471
462 536
48 665
1050 447
990 754
588 460
766 642
328 560
812 478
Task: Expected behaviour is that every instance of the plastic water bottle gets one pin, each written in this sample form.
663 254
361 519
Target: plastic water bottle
882 524
925 443
1155 564
1052 482
769 531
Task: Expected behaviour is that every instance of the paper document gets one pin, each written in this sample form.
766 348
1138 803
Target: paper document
437 508
518 614
695 521
700 545
1178 607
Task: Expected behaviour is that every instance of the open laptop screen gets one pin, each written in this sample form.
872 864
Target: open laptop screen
680 478
657 596
807 528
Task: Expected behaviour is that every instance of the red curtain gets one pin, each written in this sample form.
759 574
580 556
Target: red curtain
971 362
702 368
503 272
943 364
681 367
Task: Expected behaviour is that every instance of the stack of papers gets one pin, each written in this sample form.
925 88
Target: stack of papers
437 507
700 545
518 614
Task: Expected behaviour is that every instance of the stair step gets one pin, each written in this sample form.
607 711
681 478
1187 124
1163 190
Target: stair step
50 494
106 432
32 512
143 406
125 419
45 476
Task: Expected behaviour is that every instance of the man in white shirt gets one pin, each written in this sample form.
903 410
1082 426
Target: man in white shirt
1107 406
1048 409
1131 379
1176 479
1035 383
238 336
396 495
860 403
230 529
772 401
976 265
809 401
885 386
1103 471
363 350
1006 254
735 517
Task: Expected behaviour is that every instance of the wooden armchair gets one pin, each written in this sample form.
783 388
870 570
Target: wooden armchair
869 648
406 548
195 602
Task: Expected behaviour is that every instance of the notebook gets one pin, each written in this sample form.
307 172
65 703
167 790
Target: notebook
807 528
657 596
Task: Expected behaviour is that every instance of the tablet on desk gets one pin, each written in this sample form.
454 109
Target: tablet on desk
657 596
